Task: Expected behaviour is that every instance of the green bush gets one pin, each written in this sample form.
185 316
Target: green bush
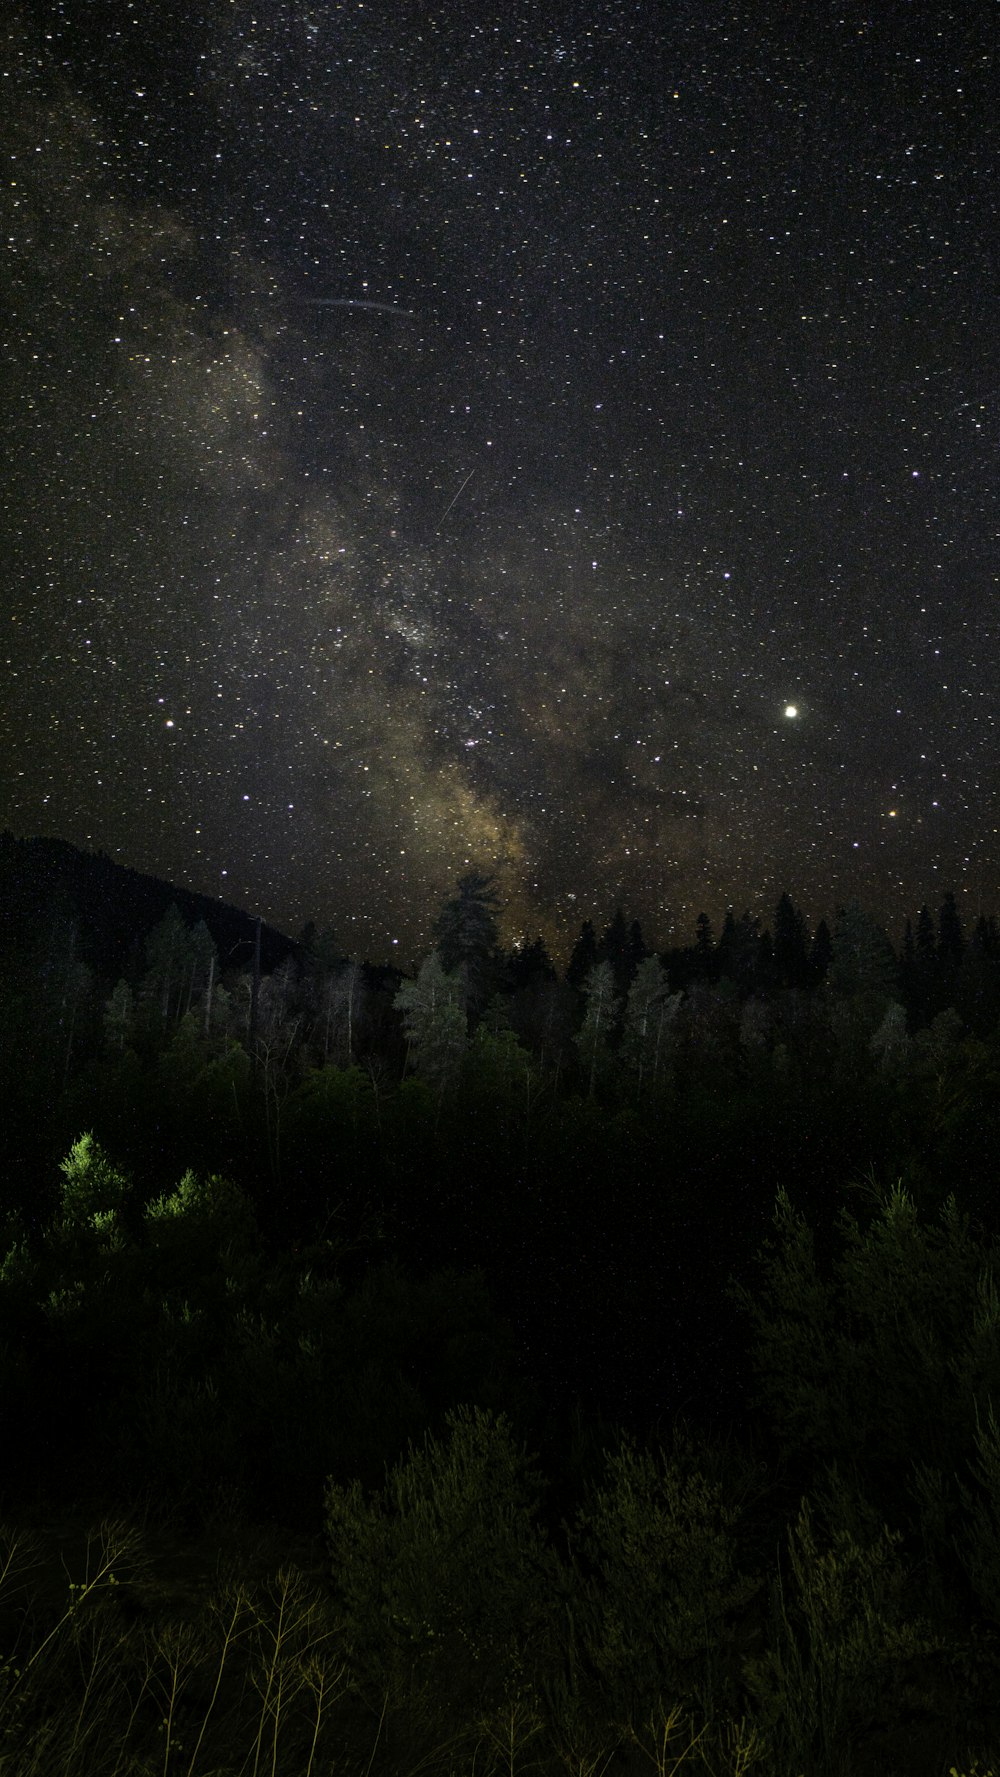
107 1680
657 1608
881 1360
444 1580
93 1188
979 1537
204 1226
838 1646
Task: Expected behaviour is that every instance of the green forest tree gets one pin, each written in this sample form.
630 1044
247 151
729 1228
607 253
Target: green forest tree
466 936
166 959
435 1022
650 1014
603 1009
863 960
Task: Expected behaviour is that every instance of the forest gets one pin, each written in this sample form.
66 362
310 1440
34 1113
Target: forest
495 1367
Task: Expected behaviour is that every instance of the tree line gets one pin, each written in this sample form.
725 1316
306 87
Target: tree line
622 1339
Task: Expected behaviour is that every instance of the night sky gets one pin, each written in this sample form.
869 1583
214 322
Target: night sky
551 439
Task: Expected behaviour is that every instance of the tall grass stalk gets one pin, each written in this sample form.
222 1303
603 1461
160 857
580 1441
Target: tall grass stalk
287 1649
509 1732
230 1635
102 1691
669 1740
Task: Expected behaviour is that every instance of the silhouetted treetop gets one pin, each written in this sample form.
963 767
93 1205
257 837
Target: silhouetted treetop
583 956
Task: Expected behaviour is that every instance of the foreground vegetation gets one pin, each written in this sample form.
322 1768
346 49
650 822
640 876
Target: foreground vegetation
493 1371
819 1595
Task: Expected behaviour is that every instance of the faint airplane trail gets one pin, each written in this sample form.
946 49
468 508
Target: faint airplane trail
355 302
451 503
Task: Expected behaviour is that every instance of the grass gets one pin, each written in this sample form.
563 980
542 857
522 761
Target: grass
243 1684
120 1657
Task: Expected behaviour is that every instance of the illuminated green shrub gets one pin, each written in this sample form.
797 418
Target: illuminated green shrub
93 1188
656 1615
443 1579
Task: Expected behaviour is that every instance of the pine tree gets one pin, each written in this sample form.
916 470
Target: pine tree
863 959
638 948
986 938
951 942
926 940
616 948
704 946
583 955
790 952
738 954
531 965
465 935
765 974
821 951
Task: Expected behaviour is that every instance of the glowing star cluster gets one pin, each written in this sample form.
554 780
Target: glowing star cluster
436 441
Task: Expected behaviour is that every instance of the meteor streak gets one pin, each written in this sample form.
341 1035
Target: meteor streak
451 502
355 302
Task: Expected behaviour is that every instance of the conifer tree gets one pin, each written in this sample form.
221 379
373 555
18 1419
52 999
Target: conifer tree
531 965
704 945
790 952
583 955
465 935
738 953
951 942
862 959
638 948
926 940
986 938
616 948
821 951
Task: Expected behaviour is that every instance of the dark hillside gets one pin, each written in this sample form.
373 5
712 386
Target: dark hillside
116 906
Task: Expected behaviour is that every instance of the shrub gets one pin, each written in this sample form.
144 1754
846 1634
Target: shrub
838 1643
881 1361
656 1612
93 1187
444 1579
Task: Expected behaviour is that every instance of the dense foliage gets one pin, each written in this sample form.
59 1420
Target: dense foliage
576 1372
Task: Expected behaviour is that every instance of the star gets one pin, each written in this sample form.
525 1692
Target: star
370 484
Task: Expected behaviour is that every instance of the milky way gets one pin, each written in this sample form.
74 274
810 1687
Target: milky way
436 442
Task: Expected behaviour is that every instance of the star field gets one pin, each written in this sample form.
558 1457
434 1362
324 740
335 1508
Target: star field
439 439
